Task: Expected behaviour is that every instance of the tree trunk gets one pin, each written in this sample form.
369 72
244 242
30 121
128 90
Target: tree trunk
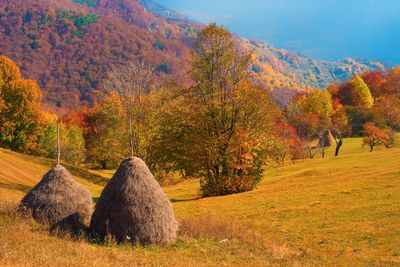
372 148
103 164
338 146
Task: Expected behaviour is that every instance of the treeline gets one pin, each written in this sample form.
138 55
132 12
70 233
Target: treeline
366 105
223 129
25 127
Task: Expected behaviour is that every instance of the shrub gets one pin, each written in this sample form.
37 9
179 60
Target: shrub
375 136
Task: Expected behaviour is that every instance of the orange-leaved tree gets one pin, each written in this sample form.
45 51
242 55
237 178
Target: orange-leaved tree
374 136
21 116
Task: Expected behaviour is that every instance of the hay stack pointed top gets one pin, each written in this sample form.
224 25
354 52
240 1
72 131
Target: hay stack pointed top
133 207
326 139
59 200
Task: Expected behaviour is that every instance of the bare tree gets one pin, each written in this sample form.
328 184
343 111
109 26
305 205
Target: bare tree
132 82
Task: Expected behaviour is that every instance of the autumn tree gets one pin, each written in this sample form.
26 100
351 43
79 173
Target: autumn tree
2 104
355 93
311 114
340 126
285 145
358 116
219 128
391 138
391 84
21 116
374 136
309 126
106 135
133 83
374 81
333 90
317 102
387 108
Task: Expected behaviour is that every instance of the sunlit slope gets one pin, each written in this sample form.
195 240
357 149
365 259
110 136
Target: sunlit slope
334 211
338 209
19 173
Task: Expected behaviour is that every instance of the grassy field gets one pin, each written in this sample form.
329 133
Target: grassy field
332 211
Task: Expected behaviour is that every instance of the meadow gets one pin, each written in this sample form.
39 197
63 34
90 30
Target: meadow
335 211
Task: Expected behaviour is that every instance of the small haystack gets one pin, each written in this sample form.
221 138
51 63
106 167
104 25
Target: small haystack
326 139
59 201
133 207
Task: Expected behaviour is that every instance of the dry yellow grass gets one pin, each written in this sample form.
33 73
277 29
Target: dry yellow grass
333 211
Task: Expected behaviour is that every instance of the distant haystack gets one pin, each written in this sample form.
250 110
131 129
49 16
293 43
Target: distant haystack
59 201
133 207
326 139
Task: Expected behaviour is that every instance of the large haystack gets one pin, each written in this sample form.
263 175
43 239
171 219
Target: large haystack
133 207
59 201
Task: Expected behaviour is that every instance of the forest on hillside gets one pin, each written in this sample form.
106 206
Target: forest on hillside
69 46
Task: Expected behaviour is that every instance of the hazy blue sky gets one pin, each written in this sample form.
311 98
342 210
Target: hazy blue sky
328 29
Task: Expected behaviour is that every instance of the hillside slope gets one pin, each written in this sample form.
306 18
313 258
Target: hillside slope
69 45
333 211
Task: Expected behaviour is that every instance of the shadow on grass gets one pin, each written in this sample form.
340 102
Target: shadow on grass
96 199
75 171
18 187
173 200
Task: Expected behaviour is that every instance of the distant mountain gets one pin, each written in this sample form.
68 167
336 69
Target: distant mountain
311 72
168 14
303 70
69 45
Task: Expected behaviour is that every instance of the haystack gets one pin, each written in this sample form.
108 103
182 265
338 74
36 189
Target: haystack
326 139
59 201
133 207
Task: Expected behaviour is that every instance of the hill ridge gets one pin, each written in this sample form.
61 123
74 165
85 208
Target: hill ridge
69 45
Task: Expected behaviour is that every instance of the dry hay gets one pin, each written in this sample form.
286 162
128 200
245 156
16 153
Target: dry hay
326 139
58 200
133 207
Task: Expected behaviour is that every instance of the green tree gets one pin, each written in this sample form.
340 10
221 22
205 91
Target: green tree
106 136
48 140
74 150
71 140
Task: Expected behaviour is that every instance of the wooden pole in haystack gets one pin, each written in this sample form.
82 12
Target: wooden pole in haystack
58 144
